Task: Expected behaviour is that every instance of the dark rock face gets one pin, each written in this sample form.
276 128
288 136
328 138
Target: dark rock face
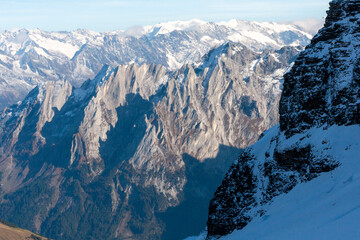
323 86
128 154
255 179
322 89
240 191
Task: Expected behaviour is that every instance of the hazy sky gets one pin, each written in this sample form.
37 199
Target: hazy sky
110 15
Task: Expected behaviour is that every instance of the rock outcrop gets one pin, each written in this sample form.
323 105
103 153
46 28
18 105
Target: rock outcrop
321 91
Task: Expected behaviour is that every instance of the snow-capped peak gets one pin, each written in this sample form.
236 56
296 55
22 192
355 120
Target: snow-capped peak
28 57
167 27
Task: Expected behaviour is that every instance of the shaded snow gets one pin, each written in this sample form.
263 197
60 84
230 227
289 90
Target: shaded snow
327 207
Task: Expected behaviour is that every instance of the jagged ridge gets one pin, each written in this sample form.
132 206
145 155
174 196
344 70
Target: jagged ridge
134 136
29 57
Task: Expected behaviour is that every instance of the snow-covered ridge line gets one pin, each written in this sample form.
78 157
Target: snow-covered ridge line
69 42
310 25
29 57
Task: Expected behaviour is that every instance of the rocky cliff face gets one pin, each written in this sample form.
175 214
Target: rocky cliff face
131 152
321 91
30 57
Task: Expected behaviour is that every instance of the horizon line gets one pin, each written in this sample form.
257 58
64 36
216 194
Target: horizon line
290 22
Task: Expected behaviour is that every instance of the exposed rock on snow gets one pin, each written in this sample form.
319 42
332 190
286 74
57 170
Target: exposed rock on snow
320 97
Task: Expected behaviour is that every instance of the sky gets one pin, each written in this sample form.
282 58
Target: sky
109 15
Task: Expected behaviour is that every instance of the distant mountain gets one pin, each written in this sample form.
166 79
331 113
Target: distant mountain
9 231
301 179
139 150
311 25
31 57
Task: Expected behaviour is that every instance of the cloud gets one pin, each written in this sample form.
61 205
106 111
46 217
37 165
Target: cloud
310 25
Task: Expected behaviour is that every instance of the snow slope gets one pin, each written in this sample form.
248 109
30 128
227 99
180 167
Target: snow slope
327 207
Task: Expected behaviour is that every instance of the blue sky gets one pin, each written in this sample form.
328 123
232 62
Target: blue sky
110 15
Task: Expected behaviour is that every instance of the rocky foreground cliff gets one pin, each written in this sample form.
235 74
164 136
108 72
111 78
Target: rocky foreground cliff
136 150
298 174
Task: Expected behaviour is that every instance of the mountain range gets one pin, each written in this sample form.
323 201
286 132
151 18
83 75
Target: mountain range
130 152
32 57
133 134
127 134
